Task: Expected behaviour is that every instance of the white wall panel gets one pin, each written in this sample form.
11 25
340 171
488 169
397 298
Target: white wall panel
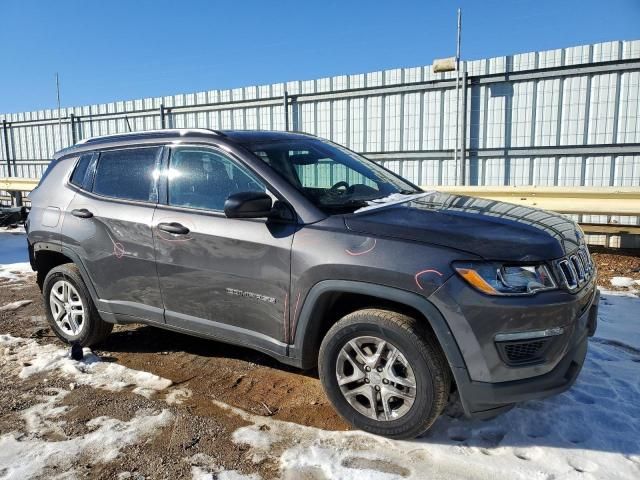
496 111
411 122
432 103
308 120
570 171
392 107
544 171
569 109
449 120
493 171
547 98
602 108
519 171
597 171
574 95
628 122
323 117
340 112
374 124
522 114
356 124
430 172
627 171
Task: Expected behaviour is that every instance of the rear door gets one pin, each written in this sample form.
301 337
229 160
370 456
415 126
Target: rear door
108 224
219 276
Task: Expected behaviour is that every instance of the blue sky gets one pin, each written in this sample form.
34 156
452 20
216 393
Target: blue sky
115 50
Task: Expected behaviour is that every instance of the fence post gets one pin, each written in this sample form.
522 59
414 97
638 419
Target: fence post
72 119
5 133
17 196
162 121
285 100
463 132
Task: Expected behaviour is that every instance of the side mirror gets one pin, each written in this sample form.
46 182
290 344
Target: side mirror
248 205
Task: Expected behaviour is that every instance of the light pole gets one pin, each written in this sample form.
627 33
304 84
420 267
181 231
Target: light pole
458 147
59 117
450 64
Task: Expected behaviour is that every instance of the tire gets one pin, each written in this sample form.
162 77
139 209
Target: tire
399 418
91 329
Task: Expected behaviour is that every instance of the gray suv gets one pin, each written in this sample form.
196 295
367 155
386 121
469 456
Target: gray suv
302 249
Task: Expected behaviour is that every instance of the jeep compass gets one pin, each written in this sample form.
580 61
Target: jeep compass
304 250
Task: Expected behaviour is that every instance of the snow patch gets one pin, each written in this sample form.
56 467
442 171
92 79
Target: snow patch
14 272
618 320
203 467
30 358
260 438
25 456
199 473
623 282
178 395
10 307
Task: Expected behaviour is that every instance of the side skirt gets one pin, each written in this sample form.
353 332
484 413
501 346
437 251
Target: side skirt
219 332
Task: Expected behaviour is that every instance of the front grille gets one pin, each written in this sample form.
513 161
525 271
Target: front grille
575 270
526 352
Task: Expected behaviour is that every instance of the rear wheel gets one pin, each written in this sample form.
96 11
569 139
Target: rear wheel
70 310
383 373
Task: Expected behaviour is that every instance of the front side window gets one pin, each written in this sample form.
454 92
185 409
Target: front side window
333 178
204 179
127 174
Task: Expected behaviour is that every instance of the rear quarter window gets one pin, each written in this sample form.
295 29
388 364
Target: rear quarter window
127 174
79 175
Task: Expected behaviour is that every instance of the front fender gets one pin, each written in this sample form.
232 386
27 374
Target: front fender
302 351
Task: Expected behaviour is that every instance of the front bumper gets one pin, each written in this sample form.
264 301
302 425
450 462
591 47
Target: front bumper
485 400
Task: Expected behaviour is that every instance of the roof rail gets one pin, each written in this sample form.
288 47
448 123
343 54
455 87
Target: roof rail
142 133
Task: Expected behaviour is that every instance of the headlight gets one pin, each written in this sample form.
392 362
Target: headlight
504 279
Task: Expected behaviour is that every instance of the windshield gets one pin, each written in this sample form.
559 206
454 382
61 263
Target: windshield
332 177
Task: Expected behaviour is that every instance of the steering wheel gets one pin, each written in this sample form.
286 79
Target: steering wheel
340 184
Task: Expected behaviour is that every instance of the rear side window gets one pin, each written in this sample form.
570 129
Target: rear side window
80 173
127 174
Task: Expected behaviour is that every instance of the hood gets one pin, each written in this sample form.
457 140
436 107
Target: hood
487 228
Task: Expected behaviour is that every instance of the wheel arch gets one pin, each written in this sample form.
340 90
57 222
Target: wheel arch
46 256
311 324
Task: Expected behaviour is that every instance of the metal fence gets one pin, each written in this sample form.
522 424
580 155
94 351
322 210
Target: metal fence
563 117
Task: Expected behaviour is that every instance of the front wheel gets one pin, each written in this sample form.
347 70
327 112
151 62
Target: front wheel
383 373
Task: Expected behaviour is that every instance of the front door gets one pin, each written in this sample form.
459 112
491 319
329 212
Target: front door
222 277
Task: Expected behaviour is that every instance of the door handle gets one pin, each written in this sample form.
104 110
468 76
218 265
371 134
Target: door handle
173 227
81 213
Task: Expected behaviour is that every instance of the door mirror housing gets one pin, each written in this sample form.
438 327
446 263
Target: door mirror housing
248 205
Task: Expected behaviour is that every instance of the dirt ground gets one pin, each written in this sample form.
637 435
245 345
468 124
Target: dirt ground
212 371
616 263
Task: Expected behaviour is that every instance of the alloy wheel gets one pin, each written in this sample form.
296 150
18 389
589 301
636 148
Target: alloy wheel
66 307
376 378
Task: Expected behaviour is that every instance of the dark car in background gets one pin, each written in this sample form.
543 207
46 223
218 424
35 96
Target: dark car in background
302 249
